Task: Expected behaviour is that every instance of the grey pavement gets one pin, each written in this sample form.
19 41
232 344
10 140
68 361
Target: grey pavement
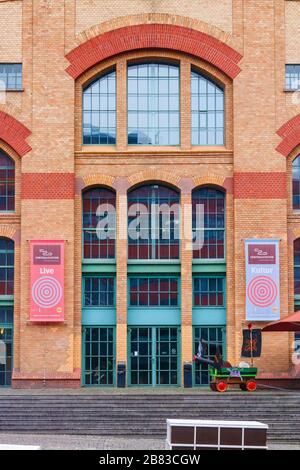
63 442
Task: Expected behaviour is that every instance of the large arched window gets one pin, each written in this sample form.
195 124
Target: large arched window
6 266
208 208
7 183
207 111
99 111
153 223
296 183
99 223
153 104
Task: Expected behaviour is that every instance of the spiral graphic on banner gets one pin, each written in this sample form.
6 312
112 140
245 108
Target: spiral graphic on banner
262 291
46 292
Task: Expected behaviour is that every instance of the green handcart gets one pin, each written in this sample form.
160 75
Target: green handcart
221 379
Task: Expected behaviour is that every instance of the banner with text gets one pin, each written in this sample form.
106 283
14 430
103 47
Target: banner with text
47 281
262 280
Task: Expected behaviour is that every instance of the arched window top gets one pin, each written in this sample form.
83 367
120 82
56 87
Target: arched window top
296 183
208 212
7 183
153 104
6 161
99 111
209 192
99 192
99 223
153 191
207 104
153 222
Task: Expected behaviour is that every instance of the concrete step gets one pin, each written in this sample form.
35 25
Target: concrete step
145 415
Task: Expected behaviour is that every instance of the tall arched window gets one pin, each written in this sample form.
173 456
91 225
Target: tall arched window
208 208
7 183
6 266
153 104
297 267
153 223
99 111
99 223
296 183
207 111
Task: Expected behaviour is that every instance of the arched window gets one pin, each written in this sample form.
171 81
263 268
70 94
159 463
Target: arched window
297 267
153 104
99 223
7 183
207 111
208 208
6 266
99 111
296 183
153 223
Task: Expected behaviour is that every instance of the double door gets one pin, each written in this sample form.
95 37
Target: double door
154 356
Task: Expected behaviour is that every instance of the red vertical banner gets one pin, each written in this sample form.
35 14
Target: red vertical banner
47 281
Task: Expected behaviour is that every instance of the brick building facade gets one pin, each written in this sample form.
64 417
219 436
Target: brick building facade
109 110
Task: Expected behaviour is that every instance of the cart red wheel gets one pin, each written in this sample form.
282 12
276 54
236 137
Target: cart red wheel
251 386
221 386
213 386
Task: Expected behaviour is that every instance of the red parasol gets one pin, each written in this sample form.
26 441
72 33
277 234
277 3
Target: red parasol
291 323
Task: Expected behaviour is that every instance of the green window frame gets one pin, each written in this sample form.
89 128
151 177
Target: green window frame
98 356
6 268
99 291
154 356
154 291
208 291
6 344
99 115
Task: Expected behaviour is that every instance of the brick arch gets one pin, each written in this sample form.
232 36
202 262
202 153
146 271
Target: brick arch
14 134
210 179
7 231
290 135
98 179
154 36
154 18
153 174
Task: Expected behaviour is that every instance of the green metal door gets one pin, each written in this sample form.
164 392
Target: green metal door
98 356
6 345
214 339
154 355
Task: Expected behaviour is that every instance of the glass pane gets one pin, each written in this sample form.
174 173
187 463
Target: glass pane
153 87
99 111
207 105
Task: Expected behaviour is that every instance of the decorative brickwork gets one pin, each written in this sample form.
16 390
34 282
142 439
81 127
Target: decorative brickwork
260 185
47 186
153 36
290 134
14 134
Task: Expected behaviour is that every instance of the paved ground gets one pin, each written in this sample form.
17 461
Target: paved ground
50 442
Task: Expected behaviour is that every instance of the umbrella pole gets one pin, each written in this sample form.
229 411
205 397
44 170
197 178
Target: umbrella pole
251 347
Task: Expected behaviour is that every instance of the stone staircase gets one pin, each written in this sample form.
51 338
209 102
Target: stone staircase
144 414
